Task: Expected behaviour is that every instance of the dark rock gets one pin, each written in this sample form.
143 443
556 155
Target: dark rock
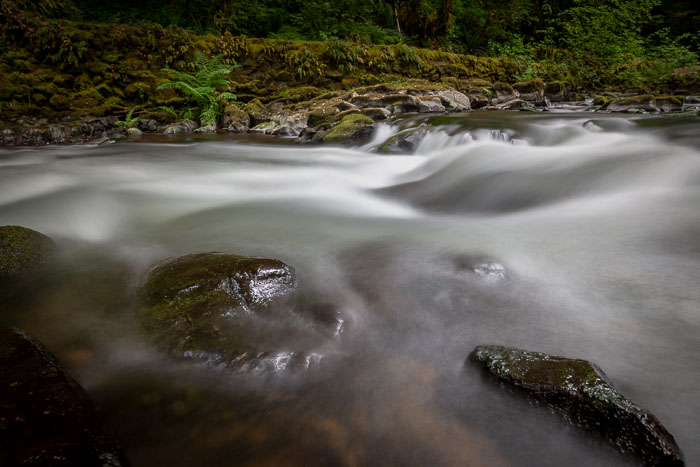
581 392
46 418
503 92
556 91
477 101
353 130
645 102
257 112
405 142
532 91
235 119
204 307
22 250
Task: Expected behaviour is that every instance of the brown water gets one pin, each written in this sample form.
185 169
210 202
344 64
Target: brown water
506 228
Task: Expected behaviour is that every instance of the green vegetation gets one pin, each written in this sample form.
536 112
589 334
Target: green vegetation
61 59
128 122
204 86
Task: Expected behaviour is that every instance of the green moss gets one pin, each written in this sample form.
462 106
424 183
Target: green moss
344 131
534 85
601 100
22 250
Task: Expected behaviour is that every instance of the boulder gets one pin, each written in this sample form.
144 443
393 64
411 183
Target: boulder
405 142
580 392
290 124
429 104
532 91
187 126
454 101
353 130
22 251
46 418
503 92
211 128
556 91
266 127
325 112
669 103
257 112
646 102
235 119
205 307
134 132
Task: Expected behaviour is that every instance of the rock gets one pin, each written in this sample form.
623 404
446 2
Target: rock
211 128
326 111
645 102
405 142
290 124
187 126
429 104
514 104
203 307
556 91
581 392
46 418
503 92
265 127
134 132
454 100
235 119
147 124
531 91
353 130
397 103
256 111
478 101
669 103
691 99
57 134
22 250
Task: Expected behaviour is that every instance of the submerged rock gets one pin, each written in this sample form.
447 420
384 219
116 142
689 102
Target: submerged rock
22 250
46 418
581 392
205 307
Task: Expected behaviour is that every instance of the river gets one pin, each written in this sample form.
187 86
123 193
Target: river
566 232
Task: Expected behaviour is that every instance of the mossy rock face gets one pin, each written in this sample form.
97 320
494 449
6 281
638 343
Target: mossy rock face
352 130
22 250
213 308
601 100
46 418
646 102
257 112
581 392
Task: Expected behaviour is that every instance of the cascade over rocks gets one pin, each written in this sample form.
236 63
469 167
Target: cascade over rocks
582 393
46 418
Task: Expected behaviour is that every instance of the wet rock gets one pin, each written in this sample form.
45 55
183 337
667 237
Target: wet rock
353 130
205 307
646 103
290 124
669 103
581 392
134 132
691 99
325 112
22 250
46 418
256 111
235 119
147 124
187 126
478 101
514 104
405 142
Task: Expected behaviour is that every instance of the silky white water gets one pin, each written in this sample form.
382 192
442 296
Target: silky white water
539 231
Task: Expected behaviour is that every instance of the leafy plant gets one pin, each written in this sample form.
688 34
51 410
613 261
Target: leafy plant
206 86
128 122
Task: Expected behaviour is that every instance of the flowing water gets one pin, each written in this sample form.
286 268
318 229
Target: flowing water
547 232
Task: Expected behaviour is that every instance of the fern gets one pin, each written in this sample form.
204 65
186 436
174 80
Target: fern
128 122
204 85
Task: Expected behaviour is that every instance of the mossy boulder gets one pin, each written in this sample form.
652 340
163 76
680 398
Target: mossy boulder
235 119
22 250
46 418
352 130
257 112
405 142
206 306
582 393
645 102
324 112
533 85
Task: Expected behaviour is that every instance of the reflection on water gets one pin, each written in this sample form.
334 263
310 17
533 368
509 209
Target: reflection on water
535 231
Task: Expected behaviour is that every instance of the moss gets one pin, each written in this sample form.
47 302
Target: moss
534 85
22 250
555 87
601 100
346 131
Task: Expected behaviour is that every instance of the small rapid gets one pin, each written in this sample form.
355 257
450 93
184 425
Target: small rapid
565 232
